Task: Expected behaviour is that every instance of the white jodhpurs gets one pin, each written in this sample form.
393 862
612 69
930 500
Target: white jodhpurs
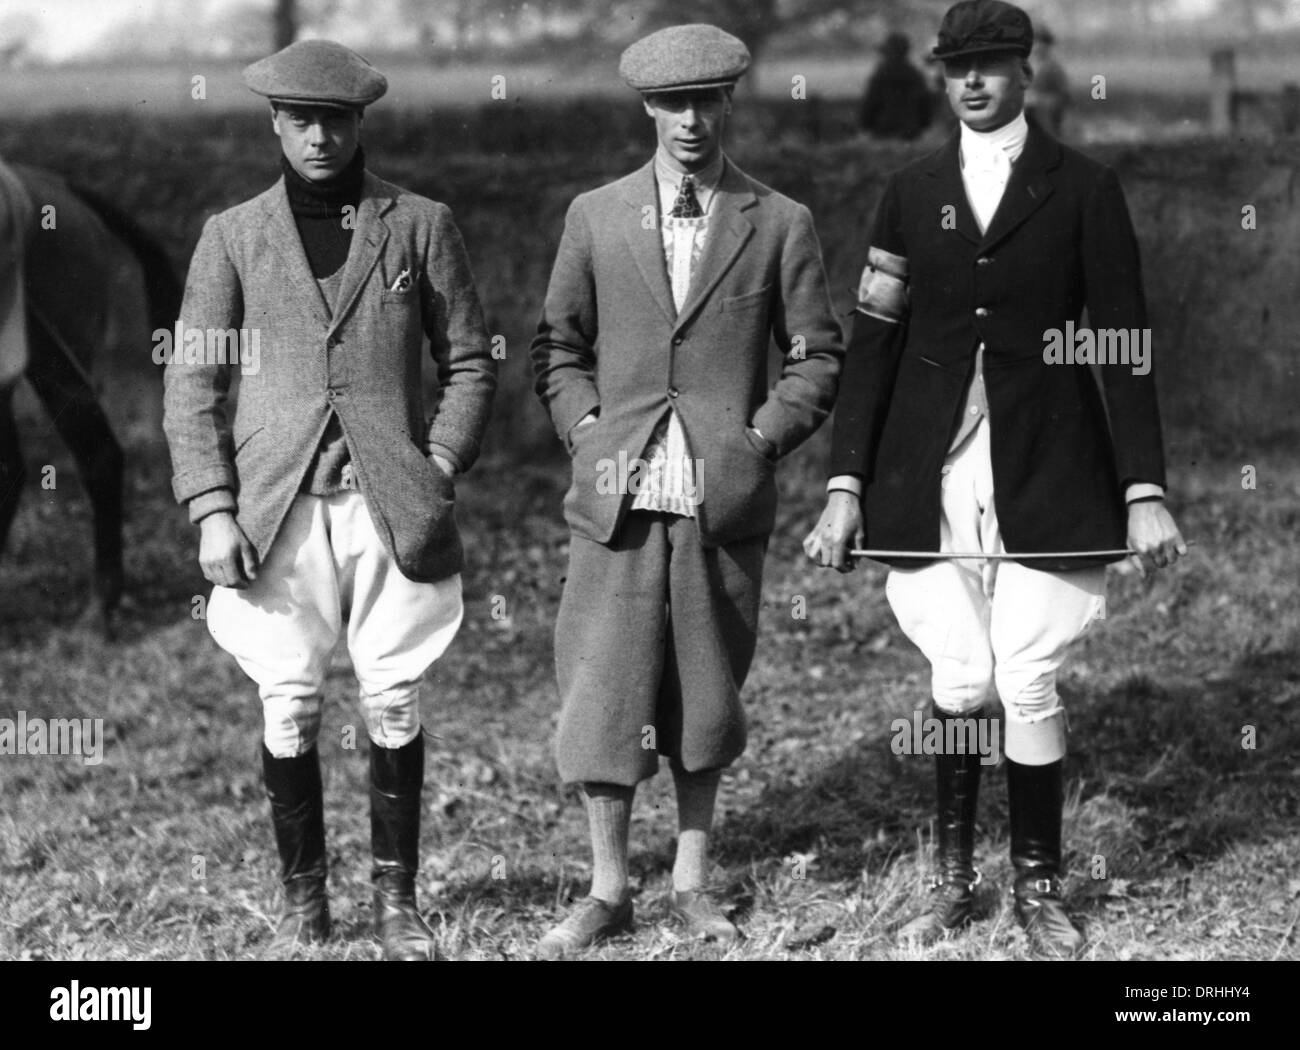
994 625
326 567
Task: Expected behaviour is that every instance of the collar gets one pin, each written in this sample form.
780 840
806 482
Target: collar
706 179
983 145
326 198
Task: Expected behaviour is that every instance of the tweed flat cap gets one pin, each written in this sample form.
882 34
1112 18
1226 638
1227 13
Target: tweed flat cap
318 73
975 27
681 58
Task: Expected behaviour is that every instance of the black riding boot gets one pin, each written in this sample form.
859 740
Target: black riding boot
396 778
297 810
952 888
1036 795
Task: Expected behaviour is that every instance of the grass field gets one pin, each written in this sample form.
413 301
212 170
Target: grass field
1198 834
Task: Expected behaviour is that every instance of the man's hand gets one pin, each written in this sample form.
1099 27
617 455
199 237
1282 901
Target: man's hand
586 420
1153 534
838 531
225 555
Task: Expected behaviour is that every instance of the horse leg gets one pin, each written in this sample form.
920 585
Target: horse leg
85 429
12 471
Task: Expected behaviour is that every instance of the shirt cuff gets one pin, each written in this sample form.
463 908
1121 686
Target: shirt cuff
1143 490
433 448
845 483
211 502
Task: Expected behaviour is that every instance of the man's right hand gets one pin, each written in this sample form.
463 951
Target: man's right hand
838 531
225 555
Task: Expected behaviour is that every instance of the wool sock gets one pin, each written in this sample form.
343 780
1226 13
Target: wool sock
609 814
696 795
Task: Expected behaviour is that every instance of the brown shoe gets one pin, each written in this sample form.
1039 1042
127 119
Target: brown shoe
590 921
703 917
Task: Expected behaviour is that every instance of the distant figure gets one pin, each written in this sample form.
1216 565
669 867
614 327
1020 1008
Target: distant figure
898 103
1049 93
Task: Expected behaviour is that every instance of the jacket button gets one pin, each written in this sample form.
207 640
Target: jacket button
983 260
673 391
981 312
678 340
331 394
331 342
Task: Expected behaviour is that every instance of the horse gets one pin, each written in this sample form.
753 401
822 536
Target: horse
94 283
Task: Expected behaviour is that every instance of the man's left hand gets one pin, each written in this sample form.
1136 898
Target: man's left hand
1153 534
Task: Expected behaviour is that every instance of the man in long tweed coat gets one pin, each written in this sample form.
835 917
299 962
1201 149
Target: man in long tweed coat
326 500
651 357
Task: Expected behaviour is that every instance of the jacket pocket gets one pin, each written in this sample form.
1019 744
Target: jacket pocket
748 300
391 298
248 437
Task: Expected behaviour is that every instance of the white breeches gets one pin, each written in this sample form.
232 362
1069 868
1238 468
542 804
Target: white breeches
326 567
985 625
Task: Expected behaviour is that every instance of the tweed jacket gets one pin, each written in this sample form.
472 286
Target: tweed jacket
1061 240
611 342
250 271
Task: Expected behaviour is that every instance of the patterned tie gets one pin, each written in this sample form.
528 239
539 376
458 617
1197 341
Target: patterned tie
686 206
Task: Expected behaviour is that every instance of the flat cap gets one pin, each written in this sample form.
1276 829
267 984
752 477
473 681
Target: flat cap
682 58
975 27
317 73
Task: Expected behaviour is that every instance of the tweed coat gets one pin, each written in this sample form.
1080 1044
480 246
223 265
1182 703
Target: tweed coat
1061 240
250 271
610 341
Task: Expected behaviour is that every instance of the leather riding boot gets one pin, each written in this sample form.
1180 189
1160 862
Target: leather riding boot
1036 795
293 786
396 779
952 888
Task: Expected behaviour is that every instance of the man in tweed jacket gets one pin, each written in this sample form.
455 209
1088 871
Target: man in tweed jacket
317 502
651 357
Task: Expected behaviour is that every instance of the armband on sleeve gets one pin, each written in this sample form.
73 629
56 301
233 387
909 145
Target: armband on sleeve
882 292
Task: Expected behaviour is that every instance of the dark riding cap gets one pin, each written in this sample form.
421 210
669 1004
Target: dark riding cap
975 27
317 73
684 58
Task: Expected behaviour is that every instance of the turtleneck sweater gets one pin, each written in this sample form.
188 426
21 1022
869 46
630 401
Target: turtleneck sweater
318 212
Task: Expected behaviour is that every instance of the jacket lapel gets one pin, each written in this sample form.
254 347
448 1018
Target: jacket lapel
950 190
646 246
1027 188
729 229
282 236
368 241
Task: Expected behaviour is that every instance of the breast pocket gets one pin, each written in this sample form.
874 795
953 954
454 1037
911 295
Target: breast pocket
398 299
748 301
